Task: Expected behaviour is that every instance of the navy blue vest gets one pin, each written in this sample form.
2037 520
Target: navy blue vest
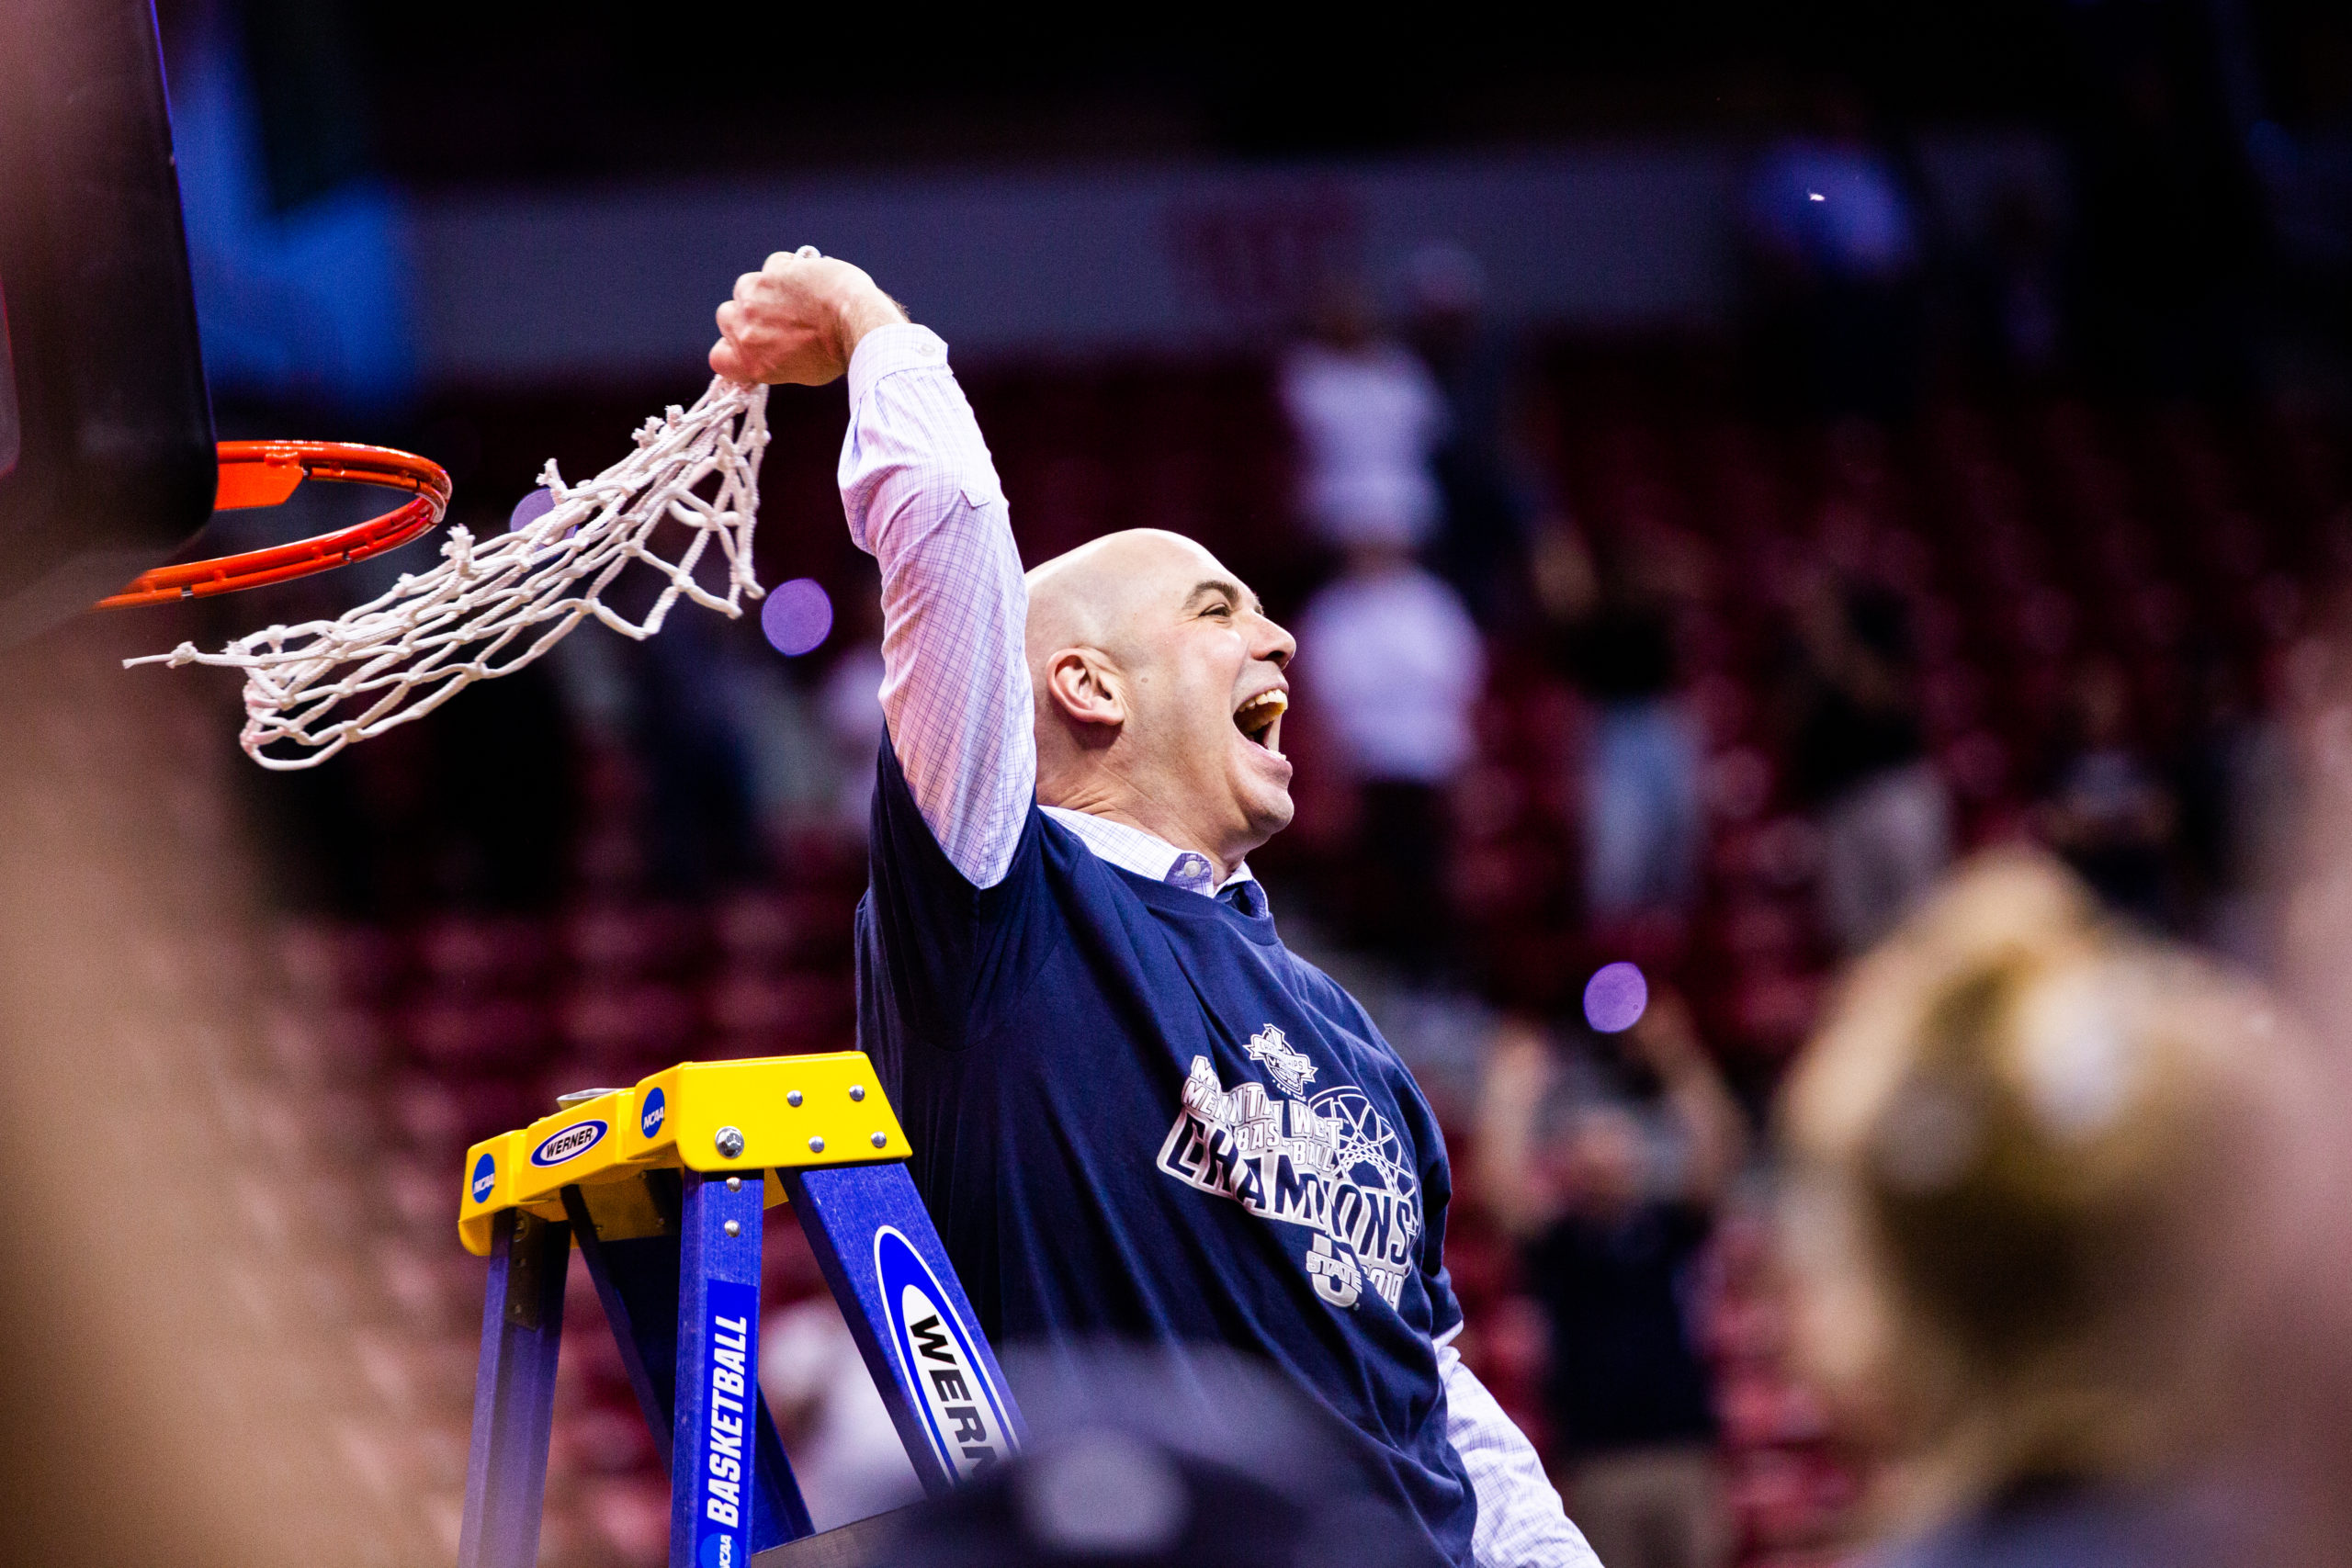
1135 1113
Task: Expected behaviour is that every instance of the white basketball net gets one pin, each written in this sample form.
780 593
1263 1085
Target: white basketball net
490 609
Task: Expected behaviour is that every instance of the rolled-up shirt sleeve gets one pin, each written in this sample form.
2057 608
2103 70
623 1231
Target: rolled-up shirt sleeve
922 498
1520 1521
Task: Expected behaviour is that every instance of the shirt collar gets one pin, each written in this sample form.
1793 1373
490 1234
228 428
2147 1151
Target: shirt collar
1131 848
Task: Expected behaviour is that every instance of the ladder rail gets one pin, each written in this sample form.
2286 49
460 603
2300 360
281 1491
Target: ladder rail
939 1379
521 1333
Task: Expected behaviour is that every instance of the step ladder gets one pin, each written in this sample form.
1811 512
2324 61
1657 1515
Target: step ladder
663 1187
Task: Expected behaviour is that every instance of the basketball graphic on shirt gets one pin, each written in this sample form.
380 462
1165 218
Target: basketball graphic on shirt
1334 1165
1370 1153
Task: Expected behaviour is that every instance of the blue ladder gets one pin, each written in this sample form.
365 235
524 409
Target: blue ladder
664 1188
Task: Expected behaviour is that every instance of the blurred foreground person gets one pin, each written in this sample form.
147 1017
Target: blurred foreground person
2299 1396
1155 1459
2024 1158
196 1244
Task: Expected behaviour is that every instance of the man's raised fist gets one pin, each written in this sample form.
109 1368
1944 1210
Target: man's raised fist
797 319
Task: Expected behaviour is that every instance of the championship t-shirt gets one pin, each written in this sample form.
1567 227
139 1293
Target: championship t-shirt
1135 1113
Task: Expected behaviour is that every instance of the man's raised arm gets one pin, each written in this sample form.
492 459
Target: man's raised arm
922 498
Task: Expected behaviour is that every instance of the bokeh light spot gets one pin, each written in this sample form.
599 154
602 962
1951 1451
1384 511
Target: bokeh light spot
530 509
798 616
1615 996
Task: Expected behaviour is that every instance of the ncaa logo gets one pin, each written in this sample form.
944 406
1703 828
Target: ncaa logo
485 1177
656 1108
718 1550
568 1142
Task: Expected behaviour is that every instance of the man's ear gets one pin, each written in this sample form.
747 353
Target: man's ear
1082 685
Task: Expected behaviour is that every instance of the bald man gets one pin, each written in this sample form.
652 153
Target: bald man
1133 1112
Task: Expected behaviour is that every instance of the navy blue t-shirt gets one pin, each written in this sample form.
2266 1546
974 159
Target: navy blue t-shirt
1133 1112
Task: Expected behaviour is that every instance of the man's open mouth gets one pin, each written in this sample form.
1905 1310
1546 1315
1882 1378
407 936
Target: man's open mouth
1261 719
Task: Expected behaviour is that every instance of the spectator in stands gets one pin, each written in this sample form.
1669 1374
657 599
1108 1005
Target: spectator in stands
2168 212
1368 418
1398 661
850 704
1834 250
2302 156
2024 1169
1492 507
2241 805
1644 822
2014 287
1396 668
703 830
673 706
2107 810
1858 758
786 753
1608 1160
845 1452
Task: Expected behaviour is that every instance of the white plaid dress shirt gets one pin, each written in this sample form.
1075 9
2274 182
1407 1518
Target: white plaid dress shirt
922 498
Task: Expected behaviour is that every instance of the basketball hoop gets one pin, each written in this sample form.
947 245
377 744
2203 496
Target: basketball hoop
487 609
264 473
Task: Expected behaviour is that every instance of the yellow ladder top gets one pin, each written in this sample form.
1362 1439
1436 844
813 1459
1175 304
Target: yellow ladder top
754 1115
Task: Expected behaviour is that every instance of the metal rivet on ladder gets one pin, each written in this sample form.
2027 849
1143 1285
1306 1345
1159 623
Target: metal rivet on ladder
880 1139
816 1145
857 1091
793 1100
734 1184
733 1228
729 1142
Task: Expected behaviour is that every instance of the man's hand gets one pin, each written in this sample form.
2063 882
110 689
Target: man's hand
798 320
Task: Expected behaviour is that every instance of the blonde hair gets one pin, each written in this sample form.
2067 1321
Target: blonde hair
2015 1151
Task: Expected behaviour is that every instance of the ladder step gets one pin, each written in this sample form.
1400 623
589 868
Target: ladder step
850 1546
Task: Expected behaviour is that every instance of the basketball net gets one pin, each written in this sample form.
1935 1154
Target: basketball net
490 609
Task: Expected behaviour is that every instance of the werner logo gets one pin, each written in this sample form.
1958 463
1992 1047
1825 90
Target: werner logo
731 1362
568 1142
485 1179
962 1412
649 1121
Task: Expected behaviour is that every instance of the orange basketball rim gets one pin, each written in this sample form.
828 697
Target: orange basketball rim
264 473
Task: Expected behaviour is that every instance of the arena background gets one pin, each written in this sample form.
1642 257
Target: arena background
2092 468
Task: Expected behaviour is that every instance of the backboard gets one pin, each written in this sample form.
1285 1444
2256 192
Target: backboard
106 456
